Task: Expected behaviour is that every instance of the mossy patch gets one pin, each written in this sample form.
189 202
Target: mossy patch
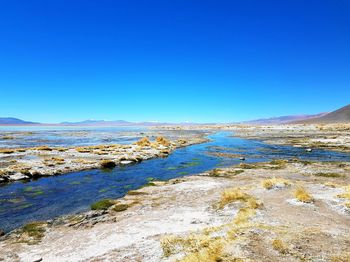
190 164
135 193
35 231
102 204
331 175
75 183
150 184
224 173
120 207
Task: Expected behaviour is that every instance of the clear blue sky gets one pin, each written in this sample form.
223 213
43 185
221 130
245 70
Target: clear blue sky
179 60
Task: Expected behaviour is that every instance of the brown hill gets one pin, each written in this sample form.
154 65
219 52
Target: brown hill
341 115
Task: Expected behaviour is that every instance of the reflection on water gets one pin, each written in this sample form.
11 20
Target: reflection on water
50 197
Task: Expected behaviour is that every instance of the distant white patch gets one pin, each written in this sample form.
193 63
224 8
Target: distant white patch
296 202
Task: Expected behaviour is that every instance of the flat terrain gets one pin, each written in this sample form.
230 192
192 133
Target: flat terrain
331 137
283 210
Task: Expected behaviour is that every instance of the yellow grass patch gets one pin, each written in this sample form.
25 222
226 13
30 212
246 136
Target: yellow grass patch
346 193
197 247
143 142
279 246
233 194
274 182
163 141
303 196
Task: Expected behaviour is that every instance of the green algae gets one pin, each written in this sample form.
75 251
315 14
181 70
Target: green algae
75 183
102 204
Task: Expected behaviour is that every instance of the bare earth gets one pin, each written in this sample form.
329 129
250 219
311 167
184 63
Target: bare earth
279 211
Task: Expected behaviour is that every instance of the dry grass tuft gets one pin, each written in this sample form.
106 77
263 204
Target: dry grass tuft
82 161
347 204
54 161
7 137
83 150
7 151
275 183
236 194
279 246
196 247
330 184
345 257
346 193
143 142
303 196
243 215
163 141
43 148
233 194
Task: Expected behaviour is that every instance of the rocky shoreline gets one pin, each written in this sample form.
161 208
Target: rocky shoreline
234 214
28 163
328 137
334 137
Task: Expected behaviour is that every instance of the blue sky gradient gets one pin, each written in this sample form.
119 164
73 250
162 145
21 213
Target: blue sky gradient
183 60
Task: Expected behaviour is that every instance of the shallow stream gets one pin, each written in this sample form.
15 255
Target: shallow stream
49 197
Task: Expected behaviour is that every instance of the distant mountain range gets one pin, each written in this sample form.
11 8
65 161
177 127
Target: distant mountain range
15 121
341 115
111 123
282 119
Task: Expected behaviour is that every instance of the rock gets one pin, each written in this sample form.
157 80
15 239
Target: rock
3 179
2 232
138 158
93 214
107 163
126 162
18 176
